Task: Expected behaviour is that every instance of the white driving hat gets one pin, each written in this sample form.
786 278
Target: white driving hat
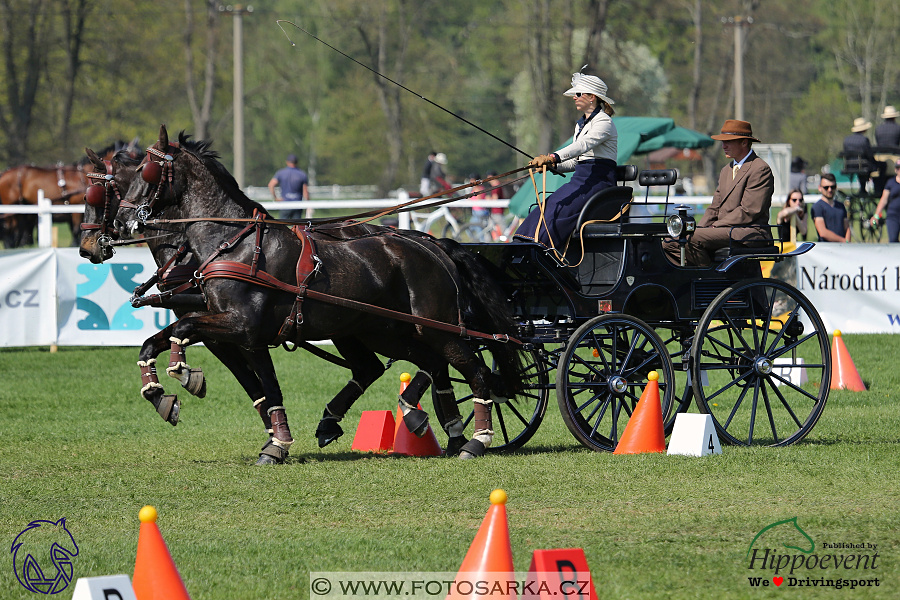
860 124
440 158
588 84
890 113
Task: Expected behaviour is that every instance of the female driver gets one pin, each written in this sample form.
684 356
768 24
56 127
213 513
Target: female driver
792 206
592 157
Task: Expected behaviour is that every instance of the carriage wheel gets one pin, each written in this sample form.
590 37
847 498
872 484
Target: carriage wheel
603 373
684 391
764 350
514 421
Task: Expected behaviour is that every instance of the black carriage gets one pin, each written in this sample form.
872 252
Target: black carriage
750 351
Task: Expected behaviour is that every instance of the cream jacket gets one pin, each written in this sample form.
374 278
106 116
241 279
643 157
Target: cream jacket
598 139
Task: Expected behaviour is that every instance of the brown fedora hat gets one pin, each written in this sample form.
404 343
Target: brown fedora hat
735 130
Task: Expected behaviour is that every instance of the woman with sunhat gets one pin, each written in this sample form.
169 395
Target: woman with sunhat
591 157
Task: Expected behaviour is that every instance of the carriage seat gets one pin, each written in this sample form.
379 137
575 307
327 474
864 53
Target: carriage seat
724 253
605 204
856 164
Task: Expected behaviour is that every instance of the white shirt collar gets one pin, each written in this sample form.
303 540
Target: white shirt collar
743 160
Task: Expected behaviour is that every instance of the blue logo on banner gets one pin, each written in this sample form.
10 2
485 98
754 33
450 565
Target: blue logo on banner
41 548
97 319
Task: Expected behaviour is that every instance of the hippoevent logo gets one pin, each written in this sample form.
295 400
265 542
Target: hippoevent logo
123 317
42 556
784 554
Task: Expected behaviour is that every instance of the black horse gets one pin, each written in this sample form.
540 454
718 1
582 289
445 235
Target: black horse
410 275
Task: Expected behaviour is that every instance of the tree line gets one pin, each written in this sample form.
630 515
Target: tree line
88 72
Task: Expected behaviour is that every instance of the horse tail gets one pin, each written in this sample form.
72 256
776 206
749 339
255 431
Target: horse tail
488 311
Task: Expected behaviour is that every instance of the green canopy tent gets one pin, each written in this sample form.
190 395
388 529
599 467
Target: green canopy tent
637 135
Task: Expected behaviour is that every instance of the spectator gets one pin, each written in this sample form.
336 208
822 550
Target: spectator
294 186
890 199
829 215
798 175
888 133
437 176
478 212
887 144
425 183
739 213
858 147
793 206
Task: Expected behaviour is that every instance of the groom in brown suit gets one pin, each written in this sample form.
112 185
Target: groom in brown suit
742 201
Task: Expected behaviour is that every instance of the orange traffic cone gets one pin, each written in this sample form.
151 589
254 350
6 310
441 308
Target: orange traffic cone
375 432
405 443
845 374
155 575
644 432
489 558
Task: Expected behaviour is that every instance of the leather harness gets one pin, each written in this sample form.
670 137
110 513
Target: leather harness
175 279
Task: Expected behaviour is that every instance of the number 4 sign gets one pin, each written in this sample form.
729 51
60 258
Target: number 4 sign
694 435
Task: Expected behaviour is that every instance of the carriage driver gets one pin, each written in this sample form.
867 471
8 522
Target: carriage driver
742 201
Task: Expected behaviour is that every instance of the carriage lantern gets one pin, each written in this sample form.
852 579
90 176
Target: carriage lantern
680 223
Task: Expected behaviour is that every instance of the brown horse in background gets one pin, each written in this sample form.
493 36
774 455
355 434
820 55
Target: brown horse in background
61 184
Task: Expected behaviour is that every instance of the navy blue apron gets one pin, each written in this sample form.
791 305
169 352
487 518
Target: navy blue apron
563 206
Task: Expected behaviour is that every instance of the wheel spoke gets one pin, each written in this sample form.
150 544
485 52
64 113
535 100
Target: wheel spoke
789 383
734 382
784 403
732 349
502 425
736 406
793 345
753 411
769 412
736 330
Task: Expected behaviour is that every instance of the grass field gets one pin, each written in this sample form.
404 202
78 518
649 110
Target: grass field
78 442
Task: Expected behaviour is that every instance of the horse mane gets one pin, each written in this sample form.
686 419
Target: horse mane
124 158
201 150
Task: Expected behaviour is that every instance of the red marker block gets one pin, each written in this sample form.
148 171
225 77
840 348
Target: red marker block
375 432
559 573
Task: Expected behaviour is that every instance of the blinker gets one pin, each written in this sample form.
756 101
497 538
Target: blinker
95 195
152 173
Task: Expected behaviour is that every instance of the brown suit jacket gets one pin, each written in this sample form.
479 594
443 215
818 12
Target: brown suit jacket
744 200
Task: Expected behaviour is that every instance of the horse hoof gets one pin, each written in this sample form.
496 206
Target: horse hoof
265 459
271 454
454 445
169 409
196 384
472 449
328 431
417 422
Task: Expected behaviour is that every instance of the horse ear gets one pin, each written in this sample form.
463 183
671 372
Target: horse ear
163 138
95 160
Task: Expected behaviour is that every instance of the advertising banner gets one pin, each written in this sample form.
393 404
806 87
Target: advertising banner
95 307
855 287
27 298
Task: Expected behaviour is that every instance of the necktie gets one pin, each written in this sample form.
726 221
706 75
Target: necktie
734 169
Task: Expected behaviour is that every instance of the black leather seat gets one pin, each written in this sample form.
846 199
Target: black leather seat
606 204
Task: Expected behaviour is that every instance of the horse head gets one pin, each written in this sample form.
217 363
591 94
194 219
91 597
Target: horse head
36 547
784 532
102 200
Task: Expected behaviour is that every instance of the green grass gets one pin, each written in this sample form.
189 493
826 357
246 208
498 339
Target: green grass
78 442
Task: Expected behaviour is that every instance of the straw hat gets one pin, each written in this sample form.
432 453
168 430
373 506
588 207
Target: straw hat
440 158
860 124
588 84
890 112
735 130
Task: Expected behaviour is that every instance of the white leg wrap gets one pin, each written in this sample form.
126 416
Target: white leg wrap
183 342
405 407
485 436
149 363
483 401
269 412
448 391
258 402
150 386
283 445
455 428
180 371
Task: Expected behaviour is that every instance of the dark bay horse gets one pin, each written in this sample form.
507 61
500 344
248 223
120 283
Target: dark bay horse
101 232
63 184
406 274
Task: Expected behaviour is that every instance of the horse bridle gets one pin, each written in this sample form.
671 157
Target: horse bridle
153 172
99 195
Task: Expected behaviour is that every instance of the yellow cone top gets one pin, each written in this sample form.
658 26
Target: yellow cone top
147 514
837 333
498 496
652 376
596 353
405 377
